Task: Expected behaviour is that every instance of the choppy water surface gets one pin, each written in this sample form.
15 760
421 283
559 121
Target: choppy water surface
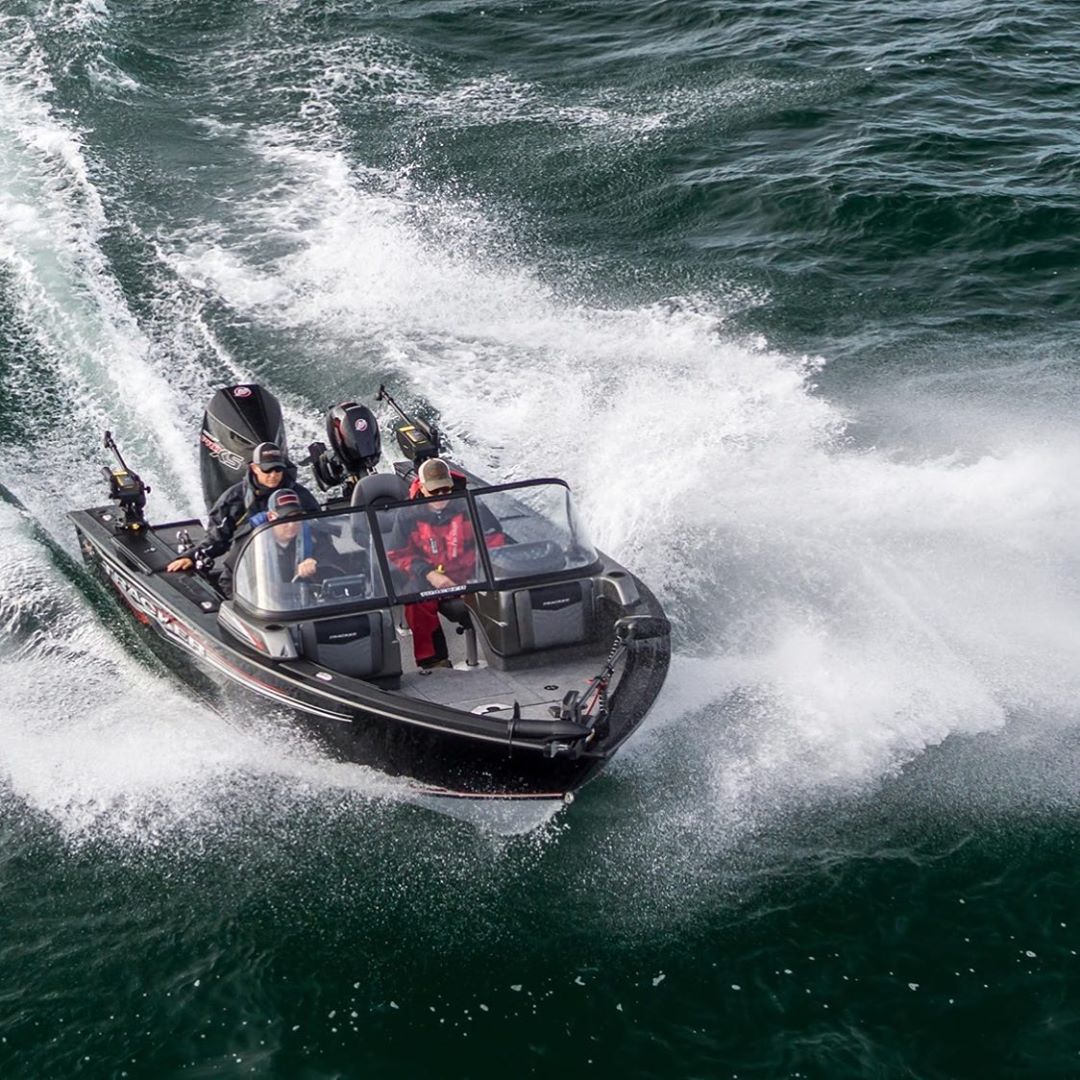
788 293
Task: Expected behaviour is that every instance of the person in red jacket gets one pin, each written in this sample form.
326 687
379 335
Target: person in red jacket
439 554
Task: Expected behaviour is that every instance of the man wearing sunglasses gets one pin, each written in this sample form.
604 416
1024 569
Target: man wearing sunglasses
439 554
268 471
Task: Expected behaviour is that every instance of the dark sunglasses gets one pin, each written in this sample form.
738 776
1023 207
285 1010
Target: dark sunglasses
440 491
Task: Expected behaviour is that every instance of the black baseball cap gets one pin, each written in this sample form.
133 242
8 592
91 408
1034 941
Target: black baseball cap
268 457
283 503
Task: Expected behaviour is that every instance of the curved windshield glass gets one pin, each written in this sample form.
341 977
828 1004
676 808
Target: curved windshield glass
533 530
431 545
295 565
409 551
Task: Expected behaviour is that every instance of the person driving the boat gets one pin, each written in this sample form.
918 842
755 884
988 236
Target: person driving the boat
290 552
296 551
268 471
440 553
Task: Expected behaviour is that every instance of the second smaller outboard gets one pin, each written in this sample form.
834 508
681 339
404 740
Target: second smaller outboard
354 451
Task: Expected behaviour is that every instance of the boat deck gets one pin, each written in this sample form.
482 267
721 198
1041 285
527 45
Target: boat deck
485 689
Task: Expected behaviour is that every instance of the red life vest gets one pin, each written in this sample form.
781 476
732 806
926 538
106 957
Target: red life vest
449 546
446 544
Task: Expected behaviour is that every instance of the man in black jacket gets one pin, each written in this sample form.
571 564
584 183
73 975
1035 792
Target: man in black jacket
238 504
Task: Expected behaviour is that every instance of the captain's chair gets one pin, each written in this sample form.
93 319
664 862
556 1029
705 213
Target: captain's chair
379 488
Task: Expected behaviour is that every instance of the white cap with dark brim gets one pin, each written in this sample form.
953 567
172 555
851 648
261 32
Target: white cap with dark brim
435 473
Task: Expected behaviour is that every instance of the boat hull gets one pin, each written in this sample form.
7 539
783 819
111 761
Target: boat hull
357 721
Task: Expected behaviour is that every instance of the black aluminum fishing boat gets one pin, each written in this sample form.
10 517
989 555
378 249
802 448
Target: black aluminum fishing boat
559 650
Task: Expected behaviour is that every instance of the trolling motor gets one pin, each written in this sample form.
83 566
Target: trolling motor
594 716
418 440
126 489
354 451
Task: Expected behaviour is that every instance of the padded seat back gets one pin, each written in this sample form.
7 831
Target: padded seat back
352 644
554 614
376 490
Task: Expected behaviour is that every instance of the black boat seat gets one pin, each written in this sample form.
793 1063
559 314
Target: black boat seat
363 646
552 615
377 489
543 617
456 611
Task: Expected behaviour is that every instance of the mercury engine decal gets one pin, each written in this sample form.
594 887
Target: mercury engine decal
226 457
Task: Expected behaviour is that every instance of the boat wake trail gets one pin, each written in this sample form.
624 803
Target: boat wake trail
84 361
840 609
99 746
96 741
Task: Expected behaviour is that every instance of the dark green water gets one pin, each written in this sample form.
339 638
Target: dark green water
789 292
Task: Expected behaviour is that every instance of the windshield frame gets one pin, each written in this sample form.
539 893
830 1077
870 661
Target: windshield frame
490 583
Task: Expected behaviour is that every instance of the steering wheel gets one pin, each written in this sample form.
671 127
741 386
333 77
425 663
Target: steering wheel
322 570
533 557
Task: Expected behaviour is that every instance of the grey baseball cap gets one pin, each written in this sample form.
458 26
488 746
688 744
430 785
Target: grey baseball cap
283 503
268 457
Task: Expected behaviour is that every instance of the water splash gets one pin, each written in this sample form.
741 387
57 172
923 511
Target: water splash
104 370
841 609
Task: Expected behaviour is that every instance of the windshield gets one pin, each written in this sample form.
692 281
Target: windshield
293 565
533 530
431 544
405 552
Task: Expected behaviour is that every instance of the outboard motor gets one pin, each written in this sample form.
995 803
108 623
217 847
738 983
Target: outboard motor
354 451
237 419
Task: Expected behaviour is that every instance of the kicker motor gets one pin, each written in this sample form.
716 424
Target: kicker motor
355 443
354 451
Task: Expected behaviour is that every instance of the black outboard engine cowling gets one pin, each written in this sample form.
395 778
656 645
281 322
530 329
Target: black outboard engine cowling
353 433
355 447
237 419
